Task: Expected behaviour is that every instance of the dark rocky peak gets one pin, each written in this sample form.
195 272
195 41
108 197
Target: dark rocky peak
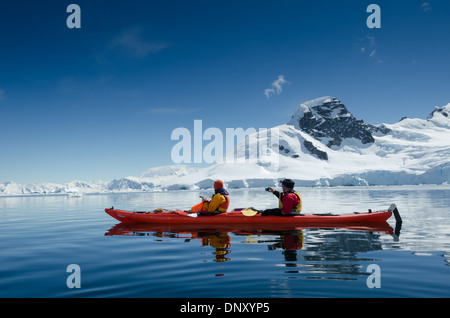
329 121
440 112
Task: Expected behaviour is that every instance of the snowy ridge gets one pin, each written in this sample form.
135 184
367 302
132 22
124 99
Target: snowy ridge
322 145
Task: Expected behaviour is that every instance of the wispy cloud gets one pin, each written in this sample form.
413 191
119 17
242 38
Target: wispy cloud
2 94
426 6
369 46
133 43
276 87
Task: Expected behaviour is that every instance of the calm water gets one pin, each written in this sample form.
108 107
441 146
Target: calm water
41 236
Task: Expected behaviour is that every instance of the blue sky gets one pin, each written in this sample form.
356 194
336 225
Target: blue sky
101 102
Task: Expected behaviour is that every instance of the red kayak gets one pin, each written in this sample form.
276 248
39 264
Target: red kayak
238 217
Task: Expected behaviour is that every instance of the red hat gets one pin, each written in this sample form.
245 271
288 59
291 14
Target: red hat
218 184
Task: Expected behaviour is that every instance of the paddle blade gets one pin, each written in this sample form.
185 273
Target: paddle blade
249 212
192 215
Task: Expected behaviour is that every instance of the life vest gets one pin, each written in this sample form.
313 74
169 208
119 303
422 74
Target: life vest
297 209
224 206
203 206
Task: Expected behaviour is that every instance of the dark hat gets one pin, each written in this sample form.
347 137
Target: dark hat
288 183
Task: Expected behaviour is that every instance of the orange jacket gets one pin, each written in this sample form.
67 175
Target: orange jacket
219 202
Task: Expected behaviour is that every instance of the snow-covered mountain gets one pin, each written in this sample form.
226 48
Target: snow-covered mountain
148 181
323 144
328 120
151 179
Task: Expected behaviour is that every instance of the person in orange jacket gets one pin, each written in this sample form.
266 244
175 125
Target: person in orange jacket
219 202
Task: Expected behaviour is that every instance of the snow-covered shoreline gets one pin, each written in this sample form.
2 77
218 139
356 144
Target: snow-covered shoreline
349 181
299 188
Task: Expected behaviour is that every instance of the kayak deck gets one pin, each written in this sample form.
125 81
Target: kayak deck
236 217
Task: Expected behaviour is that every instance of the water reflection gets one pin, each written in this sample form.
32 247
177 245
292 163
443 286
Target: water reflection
335 255
290 242
221 241
323 243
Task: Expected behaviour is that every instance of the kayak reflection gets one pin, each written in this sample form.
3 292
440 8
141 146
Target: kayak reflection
289 239
136 229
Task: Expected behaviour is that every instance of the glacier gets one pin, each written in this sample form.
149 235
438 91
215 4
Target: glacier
322 145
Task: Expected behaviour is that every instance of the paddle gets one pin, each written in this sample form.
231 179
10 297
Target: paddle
183 213
192 215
